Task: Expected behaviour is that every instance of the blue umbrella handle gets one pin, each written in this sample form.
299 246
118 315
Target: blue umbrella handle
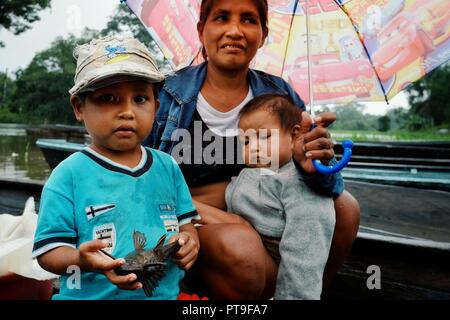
347 145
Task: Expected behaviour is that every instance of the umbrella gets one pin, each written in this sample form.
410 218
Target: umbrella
330 51
359 50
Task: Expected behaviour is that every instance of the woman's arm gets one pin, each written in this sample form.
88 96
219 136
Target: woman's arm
212 215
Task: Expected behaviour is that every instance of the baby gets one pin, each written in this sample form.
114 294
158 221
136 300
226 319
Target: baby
296 227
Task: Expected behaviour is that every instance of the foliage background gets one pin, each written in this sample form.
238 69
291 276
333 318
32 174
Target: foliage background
38 94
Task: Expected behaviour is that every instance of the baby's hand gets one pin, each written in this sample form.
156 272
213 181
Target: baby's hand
92 259
187 255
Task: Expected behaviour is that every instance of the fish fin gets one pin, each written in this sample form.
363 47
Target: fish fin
139 240
168 250
160 241
147 285
152 275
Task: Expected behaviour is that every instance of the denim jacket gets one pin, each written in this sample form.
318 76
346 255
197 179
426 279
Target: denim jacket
178 99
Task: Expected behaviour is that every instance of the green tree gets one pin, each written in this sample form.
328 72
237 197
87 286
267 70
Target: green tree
384 123
430 98
399 118
7 87
352 117
17 16
42 94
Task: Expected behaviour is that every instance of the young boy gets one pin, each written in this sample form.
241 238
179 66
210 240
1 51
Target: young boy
99 199
296 227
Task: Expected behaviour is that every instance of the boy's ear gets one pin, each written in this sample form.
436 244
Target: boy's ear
157 104
77 105
296 132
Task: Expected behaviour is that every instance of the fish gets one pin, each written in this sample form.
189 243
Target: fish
148 265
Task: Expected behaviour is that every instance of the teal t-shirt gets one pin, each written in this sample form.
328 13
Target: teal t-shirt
90 197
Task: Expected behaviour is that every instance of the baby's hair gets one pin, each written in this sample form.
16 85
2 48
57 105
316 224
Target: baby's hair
280 105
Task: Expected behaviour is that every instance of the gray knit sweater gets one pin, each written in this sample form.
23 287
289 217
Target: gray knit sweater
282 205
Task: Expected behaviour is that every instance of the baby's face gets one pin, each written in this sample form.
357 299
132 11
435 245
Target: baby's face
264 143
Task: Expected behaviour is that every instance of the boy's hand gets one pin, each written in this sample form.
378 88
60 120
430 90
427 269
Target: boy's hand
315 143
91 259
126 282
187 255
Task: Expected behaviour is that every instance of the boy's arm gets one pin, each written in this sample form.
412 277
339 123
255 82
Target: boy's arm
89 259
59 259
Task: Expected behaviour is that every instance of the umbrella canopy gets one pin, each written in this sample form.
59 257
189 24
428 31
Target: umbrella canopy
359 50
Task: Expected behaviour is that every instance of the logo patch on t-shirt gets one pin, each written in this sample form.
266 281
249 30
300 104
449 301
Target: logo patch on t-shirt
106 232
166 207
95 211
170 223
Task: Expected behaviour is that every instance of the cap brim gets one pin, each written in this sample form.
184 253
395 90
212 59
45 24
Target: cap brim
107 75
117 78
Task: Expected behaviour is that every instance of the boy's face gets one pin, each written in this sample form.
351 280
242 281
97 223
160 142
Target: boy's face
118 117
264 143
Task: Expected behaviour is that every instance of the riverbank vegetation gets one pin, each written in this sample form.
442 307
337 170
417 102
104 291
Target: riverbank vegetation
38 94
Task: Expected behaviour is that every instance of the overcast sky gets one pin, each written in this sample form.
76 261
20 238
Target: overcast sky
72 16
64 17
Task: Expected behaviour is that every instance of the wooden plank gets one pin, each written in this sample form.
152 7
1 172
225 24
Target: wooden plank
407 272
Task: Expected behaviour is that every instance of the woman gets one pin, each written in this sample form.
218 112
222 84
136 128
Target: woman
203 103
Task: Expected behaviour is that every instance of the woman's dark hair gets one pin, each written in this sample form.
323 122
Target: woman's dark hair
263 10
280 105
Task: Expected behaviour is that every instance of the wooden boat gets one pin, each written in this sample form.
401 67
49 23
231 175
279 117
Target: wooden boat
385 163
405 232
56 150
58 131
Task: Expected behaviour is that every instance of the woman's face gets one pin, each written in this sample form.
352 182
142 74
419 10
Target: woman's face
232 34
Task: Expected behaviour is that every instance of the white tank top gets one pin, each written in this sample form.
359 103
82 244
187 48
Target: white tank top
224 124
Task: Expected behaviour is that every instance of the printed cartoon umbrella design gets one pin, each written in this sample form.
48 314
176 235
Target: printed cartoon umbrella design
359 50
330 51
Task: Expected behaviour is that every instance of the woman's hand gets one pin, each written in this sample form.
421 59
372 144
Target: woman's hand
315 143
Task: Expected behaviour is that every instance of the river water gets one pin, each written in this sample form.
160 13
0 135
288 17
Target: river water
20 158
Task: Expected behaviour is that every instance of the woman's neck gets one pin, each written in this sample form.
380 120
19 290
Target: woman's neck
225 90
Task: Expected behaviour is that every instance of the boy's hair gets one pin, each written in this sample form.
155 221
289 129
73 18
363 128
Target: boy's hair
280 105
113 59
